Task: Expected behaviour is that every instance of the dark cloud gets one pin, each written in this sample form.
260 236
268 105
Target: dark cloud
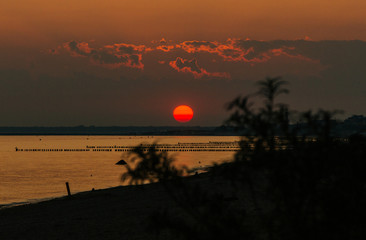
78 49
111 56
67 85
191 66
105 57
127 49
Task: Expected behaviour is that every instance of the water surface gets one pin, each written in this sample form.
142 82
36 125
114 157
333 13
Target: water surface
29 176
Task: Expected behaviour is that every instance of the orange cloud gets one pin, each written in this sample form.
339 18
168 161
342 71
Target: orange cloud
163 41
110 56
165 48
228 51
198 46
232 50
238 50
191 66
284 51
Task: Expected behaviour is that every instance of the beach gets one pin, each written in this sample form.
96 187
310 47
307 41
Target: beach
108 212
115 213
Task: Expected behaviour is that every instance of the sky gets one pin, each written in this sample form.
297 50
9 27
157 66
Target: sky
129 63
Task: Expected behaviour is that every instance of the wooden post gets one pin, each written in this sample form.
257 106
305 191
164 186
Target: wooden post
68 189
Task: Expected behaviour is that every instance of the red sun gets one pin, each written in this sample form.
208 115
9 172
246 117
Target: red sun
183 113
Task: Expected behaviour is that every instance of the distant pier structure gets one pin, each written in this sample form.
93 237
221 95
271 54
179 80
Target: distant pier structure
179 147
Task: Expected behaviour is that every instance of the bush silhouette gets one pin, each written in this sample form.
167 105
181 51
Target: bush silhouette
287 181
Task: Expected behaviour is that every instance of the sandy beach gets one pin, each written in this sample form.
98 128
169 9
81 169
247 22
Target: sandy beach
115 213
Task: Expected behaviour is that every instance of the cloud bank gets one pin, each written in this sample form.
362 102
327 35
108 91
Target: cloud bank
123 83
184 56
110 56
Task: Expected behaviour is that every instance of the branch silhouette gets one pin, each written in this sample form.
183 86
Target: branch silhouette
288 181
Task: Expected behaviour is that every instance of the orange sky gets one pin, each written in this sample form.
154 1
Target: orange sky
103 62
35 22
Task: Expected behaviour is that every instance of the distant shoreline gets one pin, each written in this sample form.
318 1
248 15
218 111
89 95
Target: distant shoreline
119 131
352 125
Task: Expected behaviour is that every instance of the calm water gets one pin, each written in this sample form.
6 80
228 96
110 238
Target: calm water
28 176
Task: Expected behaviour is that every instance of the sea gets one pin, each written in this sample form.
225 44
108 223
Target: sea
32 176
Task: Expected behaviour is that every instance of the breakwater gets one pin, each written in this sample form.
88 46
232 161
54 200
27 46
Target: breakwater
179 147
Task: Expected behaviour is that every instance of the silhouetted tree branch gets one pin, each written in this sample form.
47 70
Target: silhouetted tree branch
291 181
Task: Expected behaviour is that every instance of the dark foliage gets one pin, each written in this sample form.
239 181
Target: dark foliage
285 183
151 166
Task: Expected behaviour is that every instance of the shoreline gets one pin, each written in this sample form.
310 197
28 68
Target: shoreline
121 212
32 201
96 214
86 192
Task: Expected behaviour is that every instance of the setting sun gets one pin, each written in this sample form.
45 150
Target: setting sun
183 113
